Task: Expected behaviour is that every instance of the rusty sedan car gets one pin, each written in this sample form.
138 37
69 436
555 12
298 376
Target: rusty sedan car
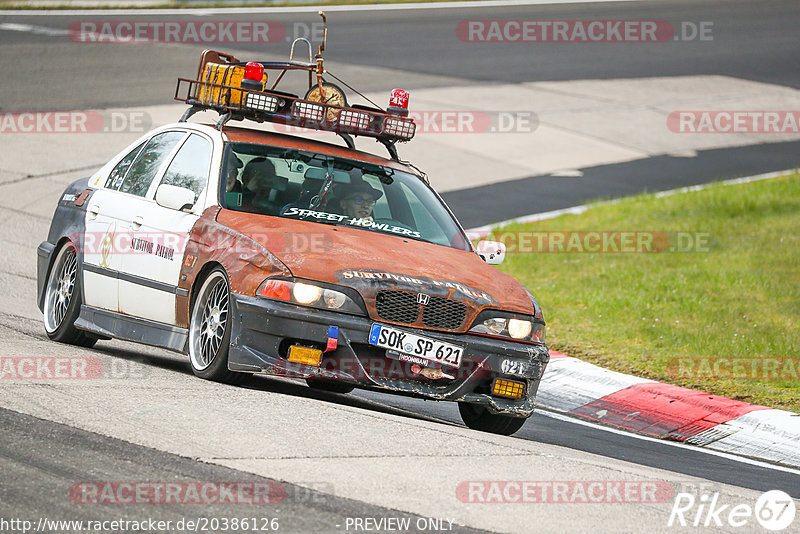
257 252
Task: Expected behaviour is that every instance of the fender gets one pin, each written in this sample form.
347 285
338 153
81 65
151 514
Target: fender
69 222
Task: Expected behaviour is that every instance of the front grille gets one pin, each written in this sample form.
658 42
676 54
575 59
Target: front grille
443 313
397 306
402 307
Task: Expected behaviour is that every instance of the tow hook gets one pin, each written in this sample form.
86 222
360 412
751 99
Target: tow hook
433 374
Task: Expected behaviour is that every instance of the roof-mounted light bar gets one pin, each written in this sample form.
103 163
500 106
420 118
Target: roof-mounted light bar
239 90
290 110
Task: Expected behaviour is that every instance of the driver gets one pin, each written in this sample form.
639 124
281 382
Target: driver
357 199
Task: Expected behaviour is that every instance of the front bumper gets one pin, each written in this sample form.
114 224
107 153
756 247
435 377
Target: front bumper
263 330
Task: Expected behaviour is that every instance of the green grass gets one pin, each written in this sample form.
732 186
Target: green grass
736 302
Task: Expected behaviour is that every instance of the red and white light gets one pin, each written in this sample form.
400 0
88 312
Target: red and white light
398 102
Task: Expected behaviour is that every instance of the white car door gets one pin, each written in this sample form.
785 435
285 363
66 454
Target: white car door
148 284
110 215
102 257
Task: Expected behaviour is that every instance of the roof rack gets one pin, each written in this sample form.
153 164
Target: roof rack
238 91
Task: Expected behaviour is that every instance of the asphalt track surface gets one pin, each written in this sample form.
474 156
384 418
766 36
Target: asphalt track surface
538 194
36 481
753 40
543 427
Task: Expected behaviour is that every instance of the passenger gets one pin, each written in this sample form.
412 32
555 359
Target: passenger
233 185
260 184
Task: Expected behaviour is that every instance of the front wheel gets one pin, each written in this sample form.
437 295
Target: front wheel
210 330
478 417
62 300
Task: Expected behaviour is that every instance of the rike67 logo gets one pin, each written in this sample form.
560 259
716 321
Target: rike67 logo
774 510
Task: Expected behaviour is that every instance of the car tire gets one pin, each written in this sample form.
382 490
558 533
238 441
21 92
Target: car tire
333 386
62 300
478 417
210 330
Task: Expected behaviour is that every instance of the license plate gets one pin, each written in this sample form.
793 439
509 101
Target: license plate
425 347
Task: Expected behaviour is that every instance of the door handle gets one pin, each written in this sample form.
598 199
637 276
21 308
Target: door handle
136 223
94 211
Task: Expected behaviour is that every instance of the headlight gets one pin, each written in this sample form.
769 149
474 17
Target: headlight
508 325
519 329
333 299
307 294
495 326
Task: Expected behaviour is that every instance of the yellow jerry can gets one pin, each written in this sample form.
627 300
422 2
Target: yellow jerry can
222 85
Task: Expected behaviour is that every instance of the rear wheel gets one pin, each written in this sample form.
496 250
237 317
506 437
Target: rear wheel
210 330
329 385
478 417
62 300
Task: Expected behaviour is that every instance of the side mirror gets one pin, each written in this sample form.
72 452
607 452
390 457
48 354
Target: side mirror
174 197
492 252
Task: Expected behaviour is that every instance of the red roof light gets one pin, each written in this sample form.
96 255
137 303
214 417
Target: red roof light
254 71
398 102
253 76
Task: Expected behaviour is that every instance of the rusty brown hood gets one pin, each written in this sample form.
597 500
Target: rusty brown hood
368 261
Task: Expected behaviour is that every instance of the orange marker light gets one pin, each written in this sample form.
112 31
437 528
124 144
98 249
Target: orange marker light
275 289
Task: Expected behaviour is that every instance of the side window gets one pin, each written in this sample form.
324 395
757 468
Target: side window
118 174
189 169
147 163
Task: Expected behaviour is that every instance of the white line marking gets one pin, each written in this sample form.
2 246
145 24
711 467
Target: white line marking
15 27
481 231
43 30
302 9
733 181
727 456
568 173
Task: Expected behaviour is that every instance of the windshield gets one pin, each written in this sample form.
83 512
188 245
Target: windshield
298 184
